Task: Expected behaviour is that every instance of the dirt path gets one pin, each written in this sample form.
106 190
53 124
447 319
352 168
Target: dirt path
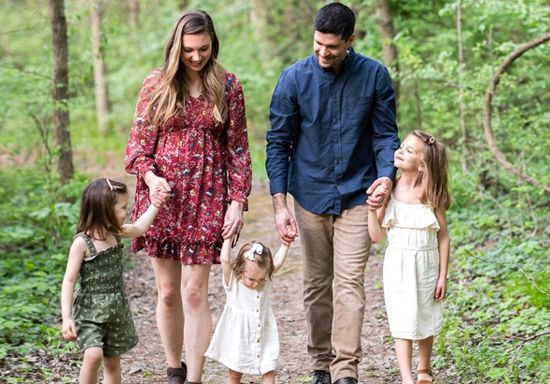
146 363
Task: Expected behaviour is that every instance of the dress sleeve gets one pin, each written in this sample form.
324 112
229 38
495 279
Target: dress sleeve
140 150
238 164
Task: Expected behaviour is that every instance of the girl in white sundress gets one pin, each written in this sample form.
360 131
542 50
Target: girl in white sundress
417 255
246 339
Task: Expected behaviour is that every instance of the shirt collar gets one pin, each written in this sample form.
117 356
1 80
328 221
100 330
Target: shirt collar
346 64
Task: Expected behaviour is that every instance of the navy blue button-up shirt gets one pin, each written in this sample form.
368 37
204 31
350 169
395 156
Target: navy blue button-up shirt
332 134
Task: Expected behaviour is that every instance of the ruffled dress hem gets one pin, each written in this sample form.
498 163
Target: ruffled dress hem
188 253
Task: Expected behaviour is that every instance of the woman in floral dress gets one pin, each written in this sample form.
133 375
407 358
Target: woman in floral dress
189 139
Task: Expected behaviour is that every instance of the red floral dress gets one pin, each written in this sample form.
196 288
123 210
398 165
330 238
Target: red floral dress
207 165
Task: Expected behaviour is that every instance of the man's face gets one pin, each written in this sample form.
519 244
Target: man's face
330 49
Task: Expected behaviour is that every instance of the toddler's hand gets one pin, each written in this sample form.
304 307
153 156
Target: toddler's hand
290 232
68 330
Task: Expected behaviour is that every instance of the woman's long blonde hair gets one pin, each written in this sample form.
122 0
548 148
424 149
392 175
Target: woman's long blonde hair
170 96
435 176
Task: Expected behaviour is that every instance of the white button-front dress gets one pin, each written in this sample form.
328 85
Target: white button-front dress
246 338
411 270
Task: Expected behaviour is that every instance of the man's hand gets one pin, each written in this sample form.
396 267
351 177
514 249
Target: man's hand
377 196
285 224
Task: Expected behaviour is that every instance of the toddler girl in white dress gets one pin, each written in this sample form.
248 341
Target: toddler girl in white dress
246 339
417 255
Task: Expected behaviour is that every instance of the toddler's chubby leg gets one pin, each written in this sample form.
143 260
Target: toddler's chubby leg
268 378
234 377
89 371
111 368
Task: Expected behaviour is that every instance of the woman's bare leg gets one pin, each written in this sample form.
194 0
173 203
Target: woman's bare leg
198 318
170 320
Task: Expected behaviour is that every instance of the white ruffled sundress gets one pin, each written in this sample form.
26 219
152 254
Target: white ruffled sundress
411 270
246 339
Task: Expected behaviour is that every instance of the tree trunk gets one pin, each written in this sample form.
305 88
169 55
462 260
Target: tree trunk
461 107
102 104
133 13
259 20
385 22
59 90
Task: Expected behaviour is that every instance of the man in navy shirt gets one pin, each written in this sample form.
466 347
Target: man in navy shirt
332 138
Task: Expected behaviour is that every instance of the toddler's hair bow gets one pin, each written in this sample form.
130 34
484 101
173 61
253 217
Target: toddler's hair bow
256 249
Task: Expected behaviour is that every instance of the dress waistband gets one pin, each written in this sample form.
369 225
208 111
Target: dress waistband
427 248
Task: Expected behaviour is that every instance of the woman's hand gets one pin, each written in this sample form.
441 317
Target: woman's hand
233 221
159 189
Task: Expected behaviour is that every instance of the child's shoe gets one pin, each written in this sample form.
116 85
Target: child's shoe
426 372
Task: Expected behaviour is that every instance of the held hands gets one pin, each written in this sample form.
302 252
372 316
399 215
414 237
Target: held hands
378 192
286 227
440 289
159 190
68 329
233 221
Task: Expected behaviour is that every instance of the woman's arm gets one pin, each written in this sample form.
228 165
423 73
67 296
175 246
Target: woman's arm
444 246
76 256
141 225
238 163
141 147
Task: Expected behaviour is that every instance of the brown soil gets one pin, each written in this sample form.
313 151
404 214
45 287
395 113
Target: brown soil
146 362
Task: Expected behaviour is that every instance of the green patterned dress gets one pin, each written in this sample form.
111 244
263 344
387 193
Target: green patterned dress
100 308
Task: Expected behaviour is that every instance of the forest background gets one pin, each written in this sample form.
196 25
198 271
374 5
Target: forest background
443 56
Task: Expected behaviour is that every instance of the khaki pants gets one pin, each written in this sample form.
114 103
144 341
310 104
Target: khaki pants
335 251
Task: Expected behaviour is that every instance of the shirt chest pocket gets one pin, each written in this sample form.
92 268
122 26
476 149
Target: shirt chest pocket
358 111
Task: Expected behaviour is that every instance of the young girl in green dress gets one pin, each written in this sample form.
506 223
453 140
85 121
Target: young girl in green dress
99 317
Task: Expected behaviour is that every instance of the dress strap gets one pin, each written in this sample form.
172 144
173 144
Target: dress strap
89 244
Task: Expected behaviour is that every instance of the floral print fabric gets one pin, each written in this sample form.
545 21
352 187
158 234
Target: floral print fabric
206 164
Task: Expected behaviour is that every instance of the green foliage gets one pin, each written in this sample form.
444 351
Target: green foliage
34 241
497 312
498 308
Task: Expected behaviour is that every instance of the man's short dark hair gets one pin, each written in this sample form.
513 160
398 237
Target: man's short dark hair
337 19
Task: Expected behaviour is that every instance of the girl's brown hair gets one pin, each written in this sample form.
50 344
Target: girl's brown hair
97 208
264 259
435 177
170 96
